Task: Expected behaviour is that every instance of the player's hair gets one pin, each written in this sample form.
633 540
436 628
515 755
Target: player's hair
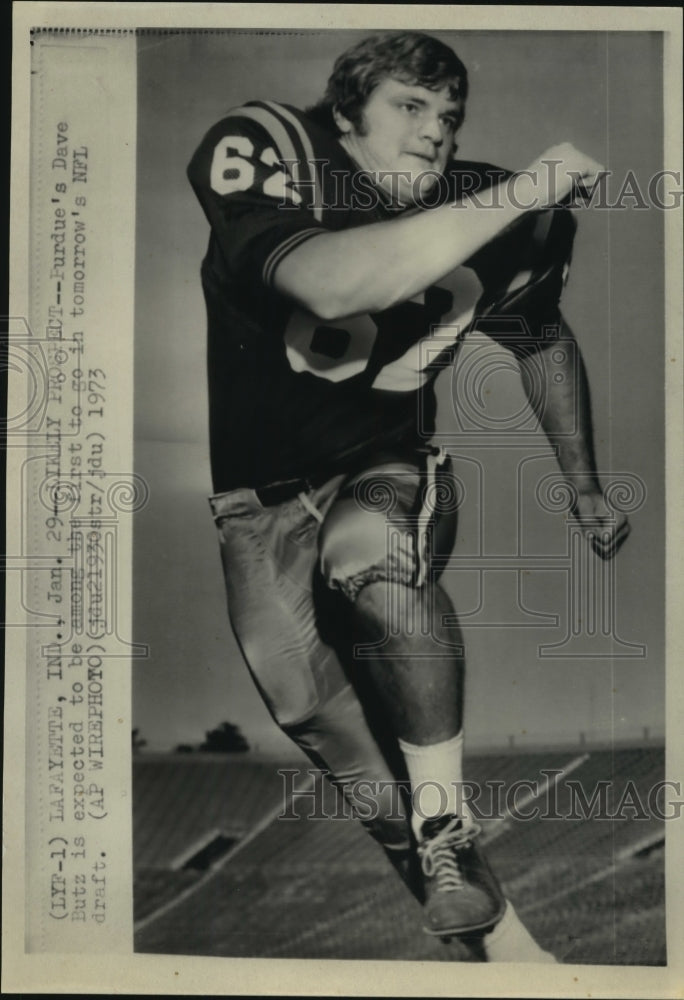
409 56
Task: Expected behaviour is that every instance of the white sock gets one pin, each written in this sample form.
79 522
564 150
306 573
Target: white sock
510 941
436 774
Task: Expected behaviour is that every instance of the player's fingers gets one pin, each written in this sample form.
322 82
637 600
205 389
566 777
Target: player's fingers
606 541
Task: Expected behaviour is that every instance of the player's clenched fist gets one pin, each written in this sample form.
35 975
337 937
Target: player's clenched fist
560 170
605 529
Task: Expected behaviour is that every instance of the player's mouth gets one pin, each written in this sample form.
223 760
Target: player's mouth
425 157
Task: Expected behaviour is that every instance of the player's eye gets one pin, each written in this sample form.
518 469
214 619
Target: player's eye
409 106
450 122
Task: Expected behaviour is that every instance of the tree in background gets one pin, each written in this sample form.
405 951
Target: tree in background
226 738
137 741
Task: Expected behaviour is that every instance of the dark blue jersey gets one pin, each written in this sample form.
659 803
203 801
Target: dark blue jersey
290 394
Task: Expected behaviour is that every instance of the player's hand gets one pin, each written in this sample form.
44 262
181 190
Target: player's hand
605 529
562 170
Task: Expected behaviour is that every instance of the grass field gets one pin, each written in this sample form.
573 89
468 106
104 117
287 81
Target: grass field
217 873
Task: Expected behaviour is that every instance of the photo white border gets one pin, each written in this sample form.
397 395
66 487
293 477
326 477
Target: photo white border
49 973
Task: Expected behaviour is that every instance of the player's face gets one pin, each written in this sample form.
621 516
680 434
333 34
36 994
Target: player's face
407 133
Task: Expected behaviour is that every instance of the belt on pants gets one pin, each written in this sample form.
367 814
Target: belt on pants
280 492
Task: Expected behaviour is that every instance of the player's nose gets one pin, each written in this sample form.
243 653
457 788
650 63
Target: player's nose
431 128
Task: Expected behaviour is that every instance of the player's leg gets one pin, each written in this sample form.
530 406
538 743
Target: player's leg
270 557
337 739
269 567
382 544
378 556
419 672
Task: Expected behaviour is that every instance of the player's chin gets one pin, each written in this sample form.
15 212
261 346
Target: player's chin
419 187
428 186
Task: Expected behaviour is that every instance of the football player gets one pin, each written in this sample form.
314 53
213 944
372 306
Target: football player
349 254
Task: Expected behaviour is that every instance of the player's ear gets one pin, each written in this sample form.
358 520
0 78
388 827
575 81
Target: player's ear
343 124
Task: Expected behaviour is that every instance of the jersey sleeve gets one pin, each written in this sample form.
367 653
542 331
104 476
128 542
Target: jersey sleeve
523 270
523 273
250 179
469 178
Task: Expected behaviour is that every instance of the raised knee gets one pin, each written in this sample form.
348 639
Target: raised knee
359 547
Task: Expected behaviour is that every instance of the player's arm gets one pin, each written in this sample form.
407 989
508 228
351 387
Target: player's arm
249 197
557 387
370 268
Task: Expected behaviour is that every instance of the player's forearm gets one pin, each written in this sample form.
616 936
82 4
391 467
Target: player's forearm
558 390
370 268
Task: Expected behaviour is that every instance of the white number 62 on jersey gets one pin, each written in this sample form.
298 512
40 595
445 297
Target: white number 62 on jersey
233 169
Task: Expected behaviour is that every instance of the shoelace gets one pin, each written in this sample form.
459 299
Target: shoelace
438 858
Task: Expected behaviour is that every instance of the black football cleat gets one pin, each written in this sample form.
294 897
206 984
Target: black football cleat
462 895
